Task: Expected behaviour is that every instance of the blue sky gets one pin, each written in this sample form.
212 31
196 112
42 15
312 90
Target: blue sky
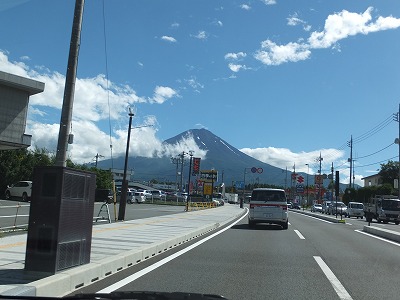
280 80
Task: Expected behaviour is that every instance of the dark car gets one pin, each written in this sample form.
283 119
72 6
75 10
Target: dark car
296 206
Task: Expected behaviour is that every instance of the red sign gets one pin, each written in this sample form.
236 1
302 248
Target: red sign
196 166
300 179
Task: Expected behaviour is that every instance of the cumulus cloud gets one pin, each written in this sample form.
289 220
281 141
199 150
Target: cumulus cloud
95 101
245 6
162 94
168 39
273 54
337 27
282 157
235 56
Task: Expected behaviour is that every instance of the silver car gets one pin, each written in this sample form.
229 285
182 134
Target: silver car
355 209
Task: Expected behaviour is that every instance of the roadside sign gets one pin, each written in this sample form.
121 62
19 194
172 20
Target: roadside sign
300 189
209 175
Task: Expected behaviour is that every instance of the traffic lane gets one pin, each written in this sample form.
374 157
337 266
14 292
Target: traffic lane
13 213
241 263
360 223
366 266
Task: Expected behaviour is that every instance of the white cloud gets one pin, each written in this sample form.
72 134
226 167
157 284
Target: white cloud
273 54
337 27
269 2
235 56
201 35
175 25
162 94
90 110
168 39
236 68
344 24
245 7
282 157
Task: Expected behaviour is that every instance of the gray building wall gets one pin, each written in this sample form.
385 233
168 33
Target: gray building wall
14 99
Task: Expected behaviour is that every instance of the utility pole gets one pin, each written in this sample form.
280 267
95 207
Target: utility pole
97 158
350 144
396 117
320 159
64 136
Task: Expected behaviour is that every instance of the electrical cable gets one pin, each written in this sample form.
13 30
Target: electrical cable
108 90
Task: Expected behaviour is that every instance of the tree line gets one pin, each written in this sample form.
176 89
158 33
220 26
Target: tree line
17 165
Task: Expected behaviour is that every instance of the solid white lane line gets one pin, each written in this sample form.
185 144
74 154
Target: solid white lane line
299 234
148 269
377 237
338 287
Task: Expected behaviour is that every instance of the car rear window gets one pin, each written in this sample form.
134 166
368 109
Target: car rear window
268 195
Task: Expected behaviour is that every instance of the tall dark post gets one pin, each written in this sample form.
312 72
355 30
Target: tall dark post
68 101
190 172
124 188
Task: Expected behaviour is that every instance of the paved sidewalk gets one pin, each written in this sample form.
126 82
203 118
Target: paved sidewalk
115 247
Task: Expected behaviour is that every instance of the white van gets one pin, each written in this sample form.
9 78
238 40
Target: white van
268 206
355 209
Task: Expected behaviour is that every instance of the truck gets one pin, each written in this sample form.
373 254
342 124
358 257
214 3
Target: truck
382 208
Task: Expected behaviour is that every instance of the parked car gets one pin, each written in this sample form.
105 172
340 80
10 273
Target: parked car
157 195
21 189
139 197
337 208
316 208
355 209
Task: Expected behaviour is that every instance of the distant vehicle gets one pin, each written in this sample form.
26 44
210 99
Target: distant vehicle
316 208
355 209
139 197
325 206
268 206
21 189
383 208
157 195
289 204
296 206
337 208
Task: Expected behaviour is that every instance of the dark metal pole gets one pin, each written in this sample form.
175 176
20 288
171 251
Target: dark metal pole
69 89
124 188
190 171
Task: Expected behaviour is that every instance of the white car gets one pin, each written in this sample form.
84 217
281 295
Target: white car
268 206
355 209
21 189
140 197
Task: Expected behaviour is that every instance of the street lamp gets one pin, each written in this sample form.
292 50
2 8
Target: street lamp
124 188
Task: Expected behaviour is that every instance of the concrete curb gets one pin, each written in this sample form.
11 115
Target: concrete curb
384 233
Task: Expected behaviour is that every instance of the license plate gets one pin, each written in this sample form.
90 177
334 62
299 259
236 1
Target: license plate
267 215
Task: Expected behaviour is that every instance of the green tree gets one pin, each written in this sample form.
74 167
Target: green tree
389 172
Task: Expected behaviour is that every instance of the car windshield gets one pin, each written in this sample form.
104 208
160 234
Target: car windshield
357 206
391 205
233 127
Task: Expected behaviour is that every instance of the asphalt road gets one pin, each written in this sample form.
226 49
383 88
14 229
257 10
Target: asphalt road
313 259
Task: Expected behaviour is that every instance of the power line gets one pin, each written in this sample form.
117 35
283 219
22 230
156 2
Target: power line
108 90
